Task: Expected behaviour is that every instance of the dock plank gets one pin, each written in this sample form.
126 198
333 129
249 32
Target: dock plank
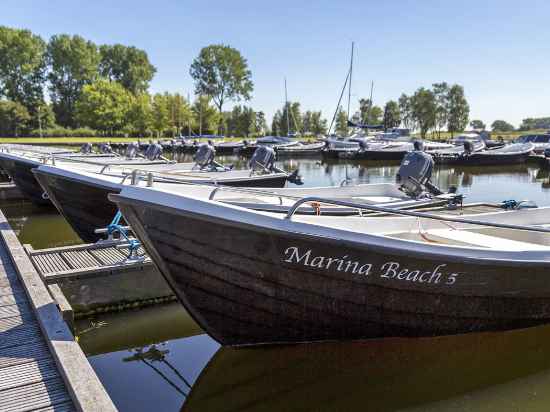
41 365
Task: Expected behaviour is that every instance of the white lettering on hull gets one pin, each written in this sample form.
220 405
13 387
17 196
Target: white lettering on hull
388 270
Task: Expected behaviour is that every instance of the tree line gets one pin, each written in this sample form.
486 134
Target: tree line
103 90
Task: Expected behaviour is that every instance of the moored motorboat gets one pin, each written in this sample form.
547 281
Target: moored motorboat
257 277
300 150
509 154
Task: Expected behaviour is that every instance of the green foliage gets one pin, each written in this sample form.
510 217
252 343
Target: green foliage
222 73
459 110
22 67
501 126
104 105
206 117
281 124
535 123
74 63
370 114
140 115
392 116
63 132
477 124
341 127
14 118
179 113
241 121
160 114
441 93
127 65
423 109
313 123
405 110
261 123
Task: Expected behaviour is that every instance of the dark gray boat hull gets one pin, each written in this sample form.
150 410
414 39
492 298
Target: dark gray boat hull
248 285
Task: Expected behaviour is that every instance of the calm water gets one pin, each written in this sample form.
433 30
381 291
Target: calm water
159 359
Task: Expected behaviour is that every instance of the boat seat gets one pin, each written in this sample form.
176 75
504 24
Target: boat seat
469 238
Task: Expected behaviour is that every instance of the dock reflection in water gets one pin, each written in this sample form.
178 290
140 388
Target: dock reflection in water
157 358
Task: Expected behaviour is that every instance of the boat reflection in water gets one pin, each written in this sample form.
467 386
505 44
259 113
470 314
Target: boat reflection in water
159 356
379 375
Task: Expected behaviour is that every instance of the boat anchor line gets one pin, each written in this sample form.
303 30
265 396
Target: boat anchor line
387 270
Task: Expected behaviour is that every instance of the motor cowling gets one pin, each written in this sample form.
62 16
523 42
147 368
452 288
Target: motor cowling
132 150
153 151
415 172
86 148
468 147
263 159
105 148
205 155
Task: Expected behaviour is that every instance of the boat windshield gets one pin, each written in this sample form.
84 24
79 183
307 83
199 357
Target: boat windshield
542 138
526 138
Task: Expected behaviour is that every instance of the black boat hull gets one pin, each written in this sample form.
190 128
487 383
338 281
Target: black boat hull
86 207
483 159
380 155
20 171
250 285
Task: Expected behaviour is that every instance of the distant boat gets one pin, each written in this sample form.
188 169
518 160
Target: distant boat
509 154
541 142
300 150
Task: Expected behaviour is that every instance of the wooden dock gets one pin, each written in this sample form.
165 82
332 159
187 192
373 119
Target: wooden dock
99 277
41 365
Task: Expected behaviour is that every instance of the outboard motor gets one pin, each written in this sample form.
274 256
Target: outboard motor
418 145
105 148
86 148
153 152
205 155
414 174
132 150
468 147
263 159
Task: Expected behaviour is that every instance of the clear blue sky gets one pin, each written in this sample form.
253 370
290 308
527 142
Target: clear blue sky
498 50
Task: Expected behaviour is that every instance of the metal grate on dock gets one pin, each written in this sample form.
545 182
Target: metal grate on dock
82 258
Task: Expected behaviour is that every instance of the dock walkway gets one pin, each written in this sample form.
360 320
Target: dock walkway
42 368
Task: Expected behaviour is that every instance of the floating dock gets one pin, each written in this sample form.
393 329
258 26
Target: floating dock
100 277
42 367
9 191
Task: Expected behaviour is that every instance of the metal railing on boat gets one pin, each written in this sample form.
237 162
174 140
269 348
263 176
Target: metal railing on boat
321 200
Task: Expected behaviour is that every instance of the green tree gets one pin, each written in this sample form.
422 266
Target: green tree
160 114
221 73
501 126
477 124
459 110
535 123
341 126
423 110
441 93
392 117
14 118
318 124
127 65
179 112
276 123
73 64
104 106
140 116
405 110
261 123
22 67
206 117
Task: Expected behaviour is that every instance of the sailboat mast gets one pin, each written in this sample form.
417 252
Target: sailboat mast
287 112
350 73
370 102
